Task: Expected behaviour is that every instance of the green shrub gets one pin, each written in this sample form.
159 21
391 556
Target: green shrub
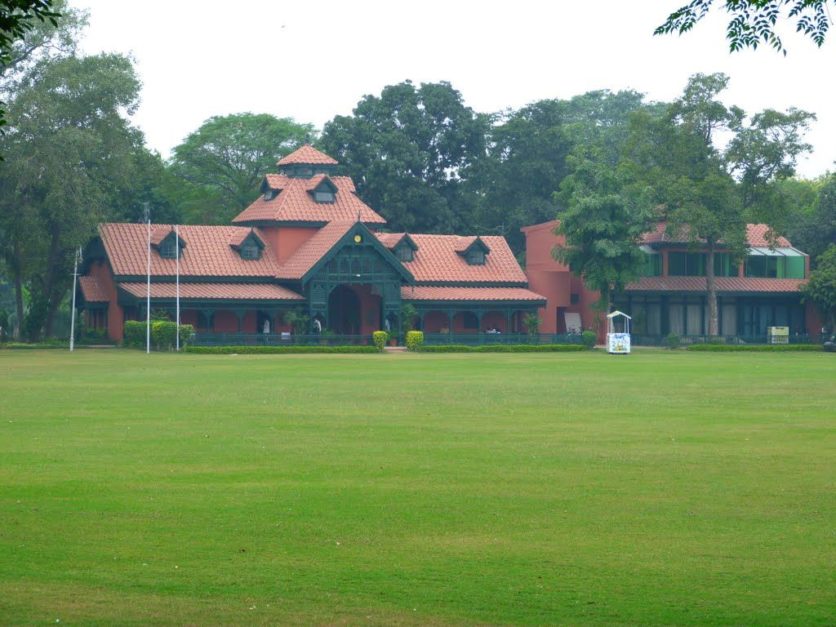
273 350
672 341
778 348
588 339
502 348
531 322
36 345
414 340
163 334
134 334
380 338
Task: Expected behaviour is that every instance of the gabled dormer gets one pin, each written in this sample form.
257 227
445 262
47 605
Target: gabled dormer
167 244
248 245
306 162
405 248
268 192
475 254
325 191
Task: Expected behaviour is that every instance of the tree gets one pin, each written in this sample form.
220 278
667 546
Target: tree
814 230
754 21
821 288
410 152
605 218
69 152
17 18
218 168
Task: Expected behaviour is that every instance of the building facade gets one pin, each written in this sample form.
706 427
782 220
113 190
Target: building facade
310 246
670 296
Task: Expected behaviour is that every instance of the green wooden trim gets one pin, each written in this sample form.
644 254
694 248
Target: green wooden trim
493 305
523 284
369 239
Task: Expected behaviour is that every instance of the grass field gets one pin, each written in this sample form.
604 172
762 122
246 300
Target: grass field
663 487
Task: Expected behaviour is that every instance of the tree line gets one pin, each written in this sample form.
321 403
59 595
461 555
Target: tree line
607 163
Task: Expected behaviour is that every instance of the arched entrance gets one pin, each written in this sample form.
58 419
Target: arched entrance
344 311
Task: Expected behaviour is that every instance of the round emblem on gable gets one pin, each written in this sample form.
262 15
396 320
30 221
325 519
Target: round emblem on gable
358 238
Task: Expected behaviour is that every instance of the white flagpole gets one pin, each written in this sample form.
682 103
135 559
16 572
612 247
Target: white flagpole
72 313
177 289
148 289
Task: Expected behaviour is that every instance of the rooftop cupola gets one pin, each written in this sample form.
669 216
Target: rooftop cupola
306 162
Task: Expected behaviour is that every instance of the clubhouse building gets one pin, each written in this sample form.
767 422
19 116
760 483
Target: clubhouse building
306 245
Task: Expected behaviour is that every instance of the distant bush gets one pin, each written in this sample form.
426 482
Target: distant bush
277 350
134 336
380 338
765 348
673 341
36 345
163 334
588 339
414 340
502 348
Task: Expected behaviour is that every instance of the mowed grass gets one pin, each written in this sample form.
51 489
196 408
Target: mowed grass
663 487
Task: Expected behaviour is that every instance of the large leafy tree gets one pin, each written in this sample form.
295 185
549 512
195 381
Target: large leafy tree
70 155
217 169
707 194
755 22
411 151
821 288
813 230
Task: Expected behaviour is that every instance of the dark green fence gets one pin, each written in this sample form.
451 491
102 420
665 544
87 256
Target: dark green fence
278 339
684 340
476 339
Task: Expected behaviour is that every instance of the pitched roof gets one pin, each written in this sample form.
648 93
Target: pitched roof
307 155
294 202
493 294
91 290
313 250
214 291
756 235
207 252
723 284
437 260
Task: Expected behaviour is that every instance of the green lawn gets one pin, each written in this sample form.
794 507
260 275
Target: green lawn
663 487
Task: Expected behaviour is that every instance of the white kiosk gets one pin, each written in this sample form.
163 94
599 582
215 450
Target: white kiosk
618 333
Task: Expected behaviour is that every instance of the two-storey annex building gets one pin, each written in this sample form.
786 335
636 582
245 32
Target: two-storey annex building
307 244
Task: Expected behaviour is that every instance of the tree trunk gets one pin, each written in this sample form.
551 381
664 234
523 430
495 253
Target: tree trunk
18 306
713 321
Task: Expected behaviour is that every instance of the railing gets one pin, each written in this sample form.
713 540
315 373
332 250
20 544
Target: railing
661 340
277 339
471 339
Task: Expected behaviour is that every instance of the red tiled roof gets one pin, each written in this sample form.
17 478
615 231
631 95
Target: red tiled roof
213 291
438 260
755 236
207 252
458 294
723 284
307 155
313 250
91 290
294 203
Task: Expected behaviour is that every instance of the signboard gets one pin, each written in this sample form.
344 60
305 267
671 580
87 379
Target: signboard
779 335
618 343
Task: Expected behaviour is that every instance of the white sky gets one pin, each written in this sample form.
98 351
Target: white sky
314 60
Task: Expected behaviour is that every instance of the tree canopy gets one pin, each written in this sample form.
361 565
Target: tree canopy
218 168
754 22
821 288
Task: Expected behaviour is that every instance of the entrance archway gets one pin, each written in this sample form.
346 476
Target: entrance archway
344 311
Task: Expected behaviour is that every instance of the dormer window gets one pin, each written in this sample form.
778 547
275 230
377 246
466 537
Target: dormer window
249 247
168 246
476 253
324 196
405 249
270 194
325 191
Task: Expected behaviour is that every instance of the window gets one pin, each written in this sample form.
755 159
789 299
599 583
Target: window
168 248
476 257
270 194
250 250
324 196
574 299
652 265
723 265
686 264
774 267
404 253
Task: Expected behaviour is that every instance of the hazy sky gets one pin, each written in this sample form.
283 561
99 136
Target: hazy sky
314 60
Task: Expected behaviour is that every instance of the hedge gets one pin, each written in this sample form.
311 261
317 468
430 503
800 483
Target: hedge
380 338
273 350
36 345
502 348
414 340
163 334
728 348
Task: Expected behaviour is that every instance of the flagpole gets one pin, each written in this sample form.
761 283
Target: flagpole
177 264
72 313
148 286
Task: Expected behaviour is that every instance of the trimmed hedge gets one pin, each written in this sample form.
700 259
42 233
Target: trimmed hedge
588 339
36 345
277 350
766 348
380 338
414 340
163 334
502 348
